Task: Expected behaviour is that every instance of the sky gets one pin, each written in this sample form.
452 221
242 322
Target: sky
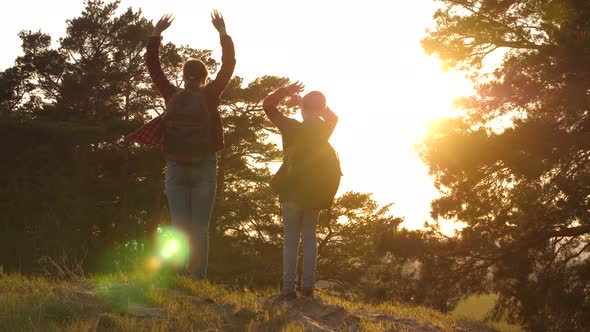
364 55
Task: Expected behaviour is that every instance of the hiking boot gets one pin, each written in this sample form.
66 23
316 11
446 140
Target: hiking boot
307 292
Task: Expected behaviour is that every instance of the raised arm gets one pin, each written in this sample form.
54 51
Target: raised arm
228 56
164 86
272 101
331 120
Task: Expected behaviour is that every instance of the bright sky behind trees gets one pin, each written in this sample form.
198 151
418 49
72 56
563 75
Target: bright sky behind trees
364 55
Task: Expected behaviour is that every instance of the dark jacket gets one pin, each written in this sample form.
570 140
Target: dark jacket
310 173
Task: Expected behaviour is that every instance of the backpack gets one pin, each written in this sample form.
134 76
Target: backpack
186 127
310 174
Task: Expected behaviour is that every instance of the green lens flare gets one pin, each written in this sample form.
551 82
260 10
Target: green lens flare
170 249
172 245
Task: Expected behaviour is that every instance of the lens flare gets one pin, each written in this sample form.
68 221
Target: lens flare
154 264
172 246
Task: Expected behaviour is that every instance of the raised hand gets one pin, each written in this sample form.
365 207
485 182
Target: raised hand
295 88
218 22
163 24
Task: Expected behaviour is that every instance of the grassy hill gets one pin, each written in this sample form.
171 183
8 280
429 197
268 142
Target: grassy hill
139 303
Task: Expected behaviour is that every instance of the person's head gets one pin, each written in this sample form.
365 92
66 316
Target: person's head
194 73
312 104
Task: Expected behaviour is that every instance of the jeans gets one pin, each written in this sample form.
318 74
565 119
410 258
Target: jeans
299 224
191 191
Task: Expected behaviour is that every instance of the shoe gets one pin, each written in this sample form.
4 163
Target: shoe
307 292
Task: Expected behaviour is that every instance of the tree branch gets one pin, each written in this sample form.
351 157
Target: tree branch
570 231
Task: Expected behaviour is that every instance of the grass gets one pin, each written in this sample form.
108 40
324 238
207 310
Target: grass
30 304
165 303
401 311
475 309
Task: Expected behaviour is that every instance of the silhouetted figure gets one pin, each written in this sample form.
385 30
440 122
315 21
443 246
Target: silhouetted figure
306 182
190 132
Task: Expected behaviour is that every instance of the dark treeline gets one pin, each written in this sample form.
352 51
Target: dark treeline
514 168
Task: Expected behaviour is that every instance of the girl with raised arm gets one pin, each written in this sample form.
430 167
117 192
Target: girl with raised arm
306 182
190 132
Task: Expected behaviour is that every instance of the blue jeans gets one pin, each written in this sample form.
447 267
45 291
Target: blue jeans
191 191
299 224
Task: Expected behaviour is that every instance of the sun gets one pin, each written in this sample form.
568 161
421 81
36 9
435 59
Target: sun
377 136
